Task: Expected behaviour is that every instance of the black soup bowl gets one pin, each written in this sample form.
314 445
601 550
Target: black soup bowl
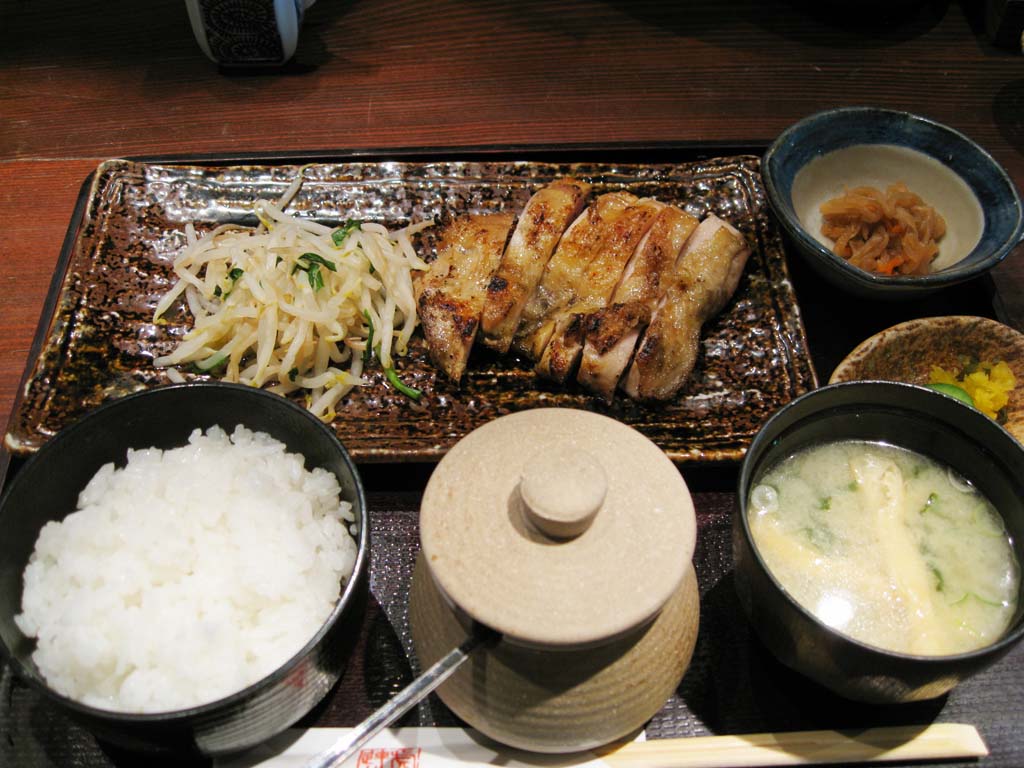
47 487
902 415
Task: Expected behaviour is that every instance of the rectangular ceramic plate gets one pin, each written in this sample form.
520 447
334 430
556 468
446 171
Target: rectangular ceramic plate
100 339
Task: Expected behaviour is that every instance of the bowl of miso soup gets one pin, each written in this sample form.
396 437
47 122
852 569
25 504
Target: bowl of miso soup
879 540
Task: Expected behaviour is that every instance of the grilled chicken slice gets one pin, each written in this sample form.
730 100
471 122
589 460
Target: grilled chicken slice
450 296
592 290
541 224
705 278
612 332
566 269
610 338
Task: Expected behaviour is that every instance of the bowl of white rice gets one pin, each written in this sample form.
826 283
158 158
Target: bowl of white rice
185 569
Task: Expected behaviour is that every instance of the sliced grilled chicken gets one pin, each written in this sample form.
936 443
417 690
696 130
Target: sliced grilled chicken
612 332
592 290
541 224
705 278
567 269
610 338
450 296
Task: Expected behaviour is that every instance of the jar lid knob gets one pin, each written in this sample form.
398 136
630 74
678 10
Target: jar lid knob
562 489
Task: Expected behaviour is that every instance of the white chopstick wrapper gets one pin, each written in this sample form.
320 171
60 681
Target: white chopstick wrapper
402 748
450 747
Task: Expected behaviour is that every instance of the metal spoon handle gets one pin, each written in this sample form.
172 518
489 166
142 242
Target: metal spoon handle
410 696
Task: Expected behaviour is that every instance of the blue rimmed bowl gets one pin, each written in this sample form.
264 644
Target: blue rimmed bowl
828 153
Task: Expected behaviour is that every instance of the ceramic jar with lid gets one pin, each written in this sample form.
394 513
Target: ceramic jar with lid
571 535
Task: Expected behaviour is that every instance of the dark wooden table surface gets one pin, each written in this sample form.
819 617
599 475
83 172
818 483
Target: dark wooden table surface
83 82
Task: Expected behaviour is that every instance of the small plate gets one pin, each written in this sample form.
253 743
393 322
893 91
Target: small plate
100 339
907 352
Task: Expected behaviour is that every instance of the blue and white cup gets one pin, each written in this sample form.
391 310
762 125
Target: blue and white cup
247 33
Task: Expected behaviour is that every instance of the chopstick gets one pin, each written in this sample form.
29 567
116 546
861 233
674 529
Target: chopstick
933 742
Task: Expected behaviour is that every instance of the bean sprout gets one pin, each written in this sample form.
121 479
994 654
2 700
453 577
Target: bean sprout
290 304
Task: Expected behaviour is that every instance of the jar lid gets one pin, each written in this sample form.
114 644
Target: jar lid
557 527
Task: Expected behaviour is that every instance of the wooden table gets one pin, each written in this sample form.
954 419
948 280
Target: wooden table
80 83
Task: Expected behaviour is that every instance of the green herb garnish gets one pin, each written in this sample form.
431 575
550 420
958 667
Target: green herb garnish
932 498
313 258
392 376
368 349
341 234
310 263
405 389
821 537
316 280
980 599
825 503
233 275
210 364
292 374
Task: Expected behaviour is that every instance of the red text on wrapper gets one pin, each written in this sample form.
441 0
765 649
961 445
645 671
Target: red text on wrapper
389 757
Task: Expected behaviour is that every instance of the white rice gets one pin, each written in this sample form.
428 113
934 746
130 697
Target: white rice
187 575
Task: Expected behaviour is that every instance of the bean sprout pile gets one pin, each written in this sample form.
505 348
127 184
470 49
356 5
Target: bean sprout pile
294 304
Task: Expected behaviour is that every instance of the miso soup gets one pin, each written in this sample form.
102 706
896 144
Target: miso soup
887 546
